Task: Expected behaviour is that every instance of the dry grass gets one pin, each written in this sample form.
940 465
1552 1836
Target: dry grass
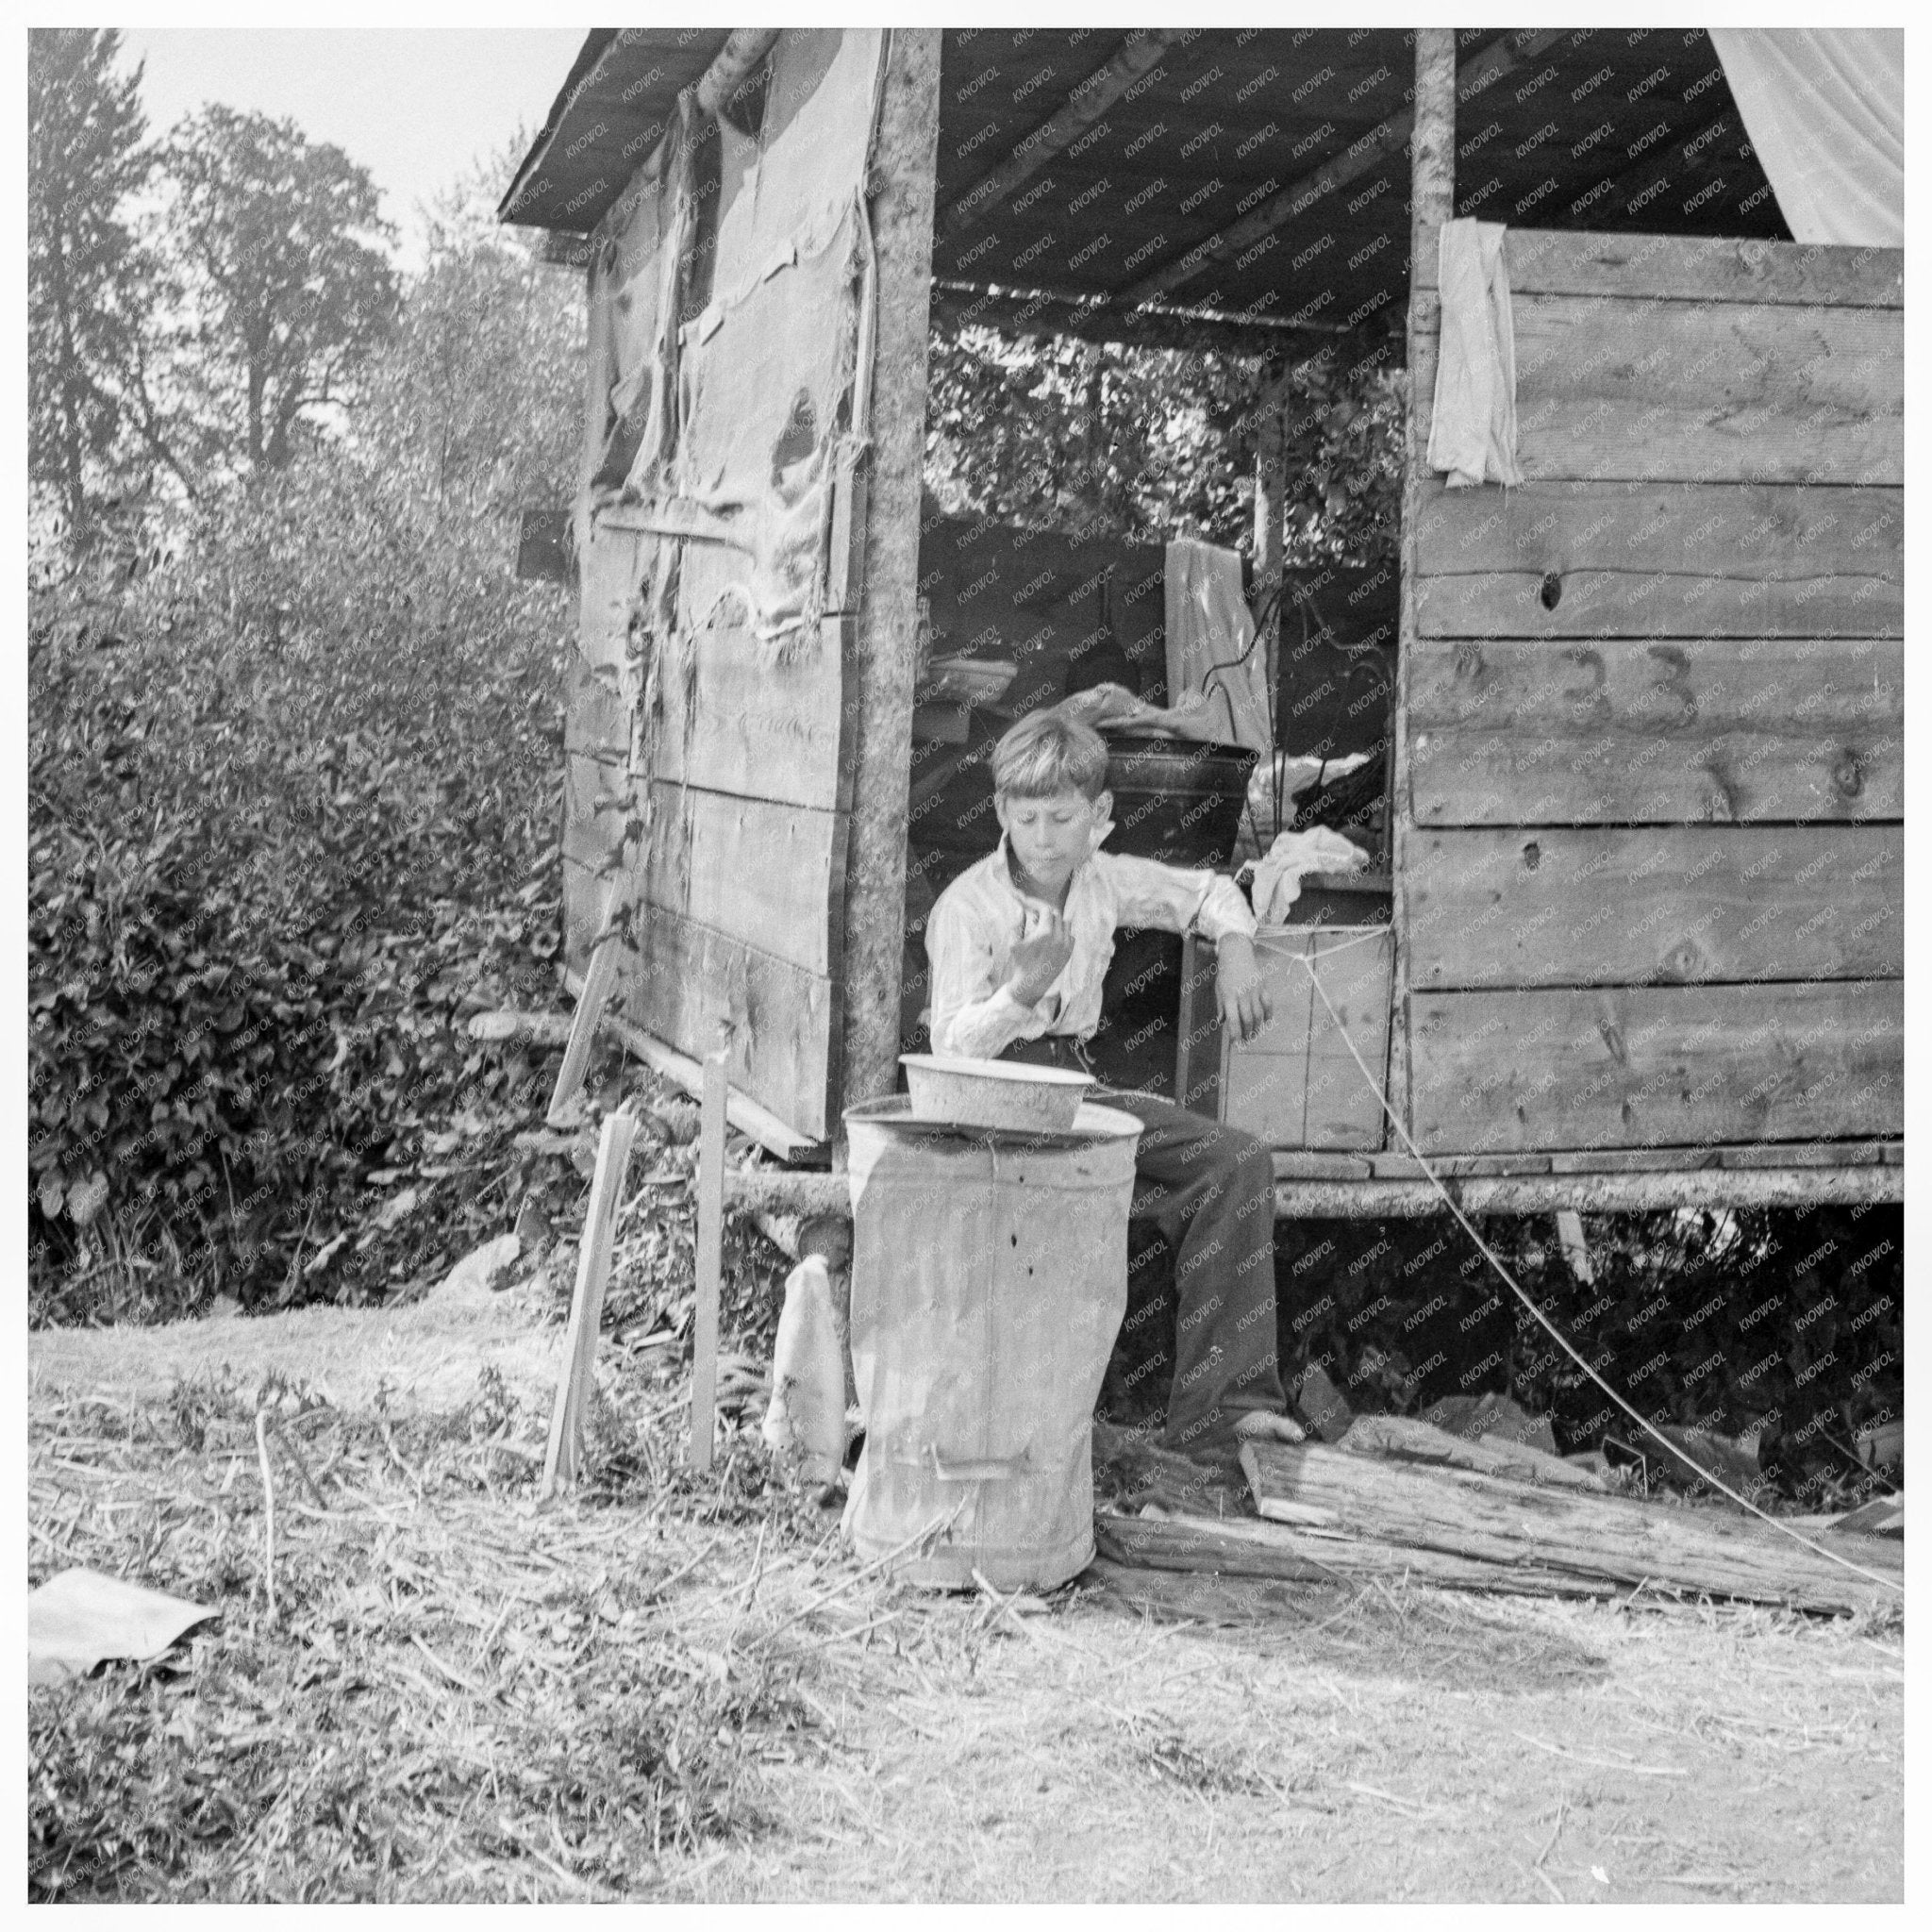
673 1689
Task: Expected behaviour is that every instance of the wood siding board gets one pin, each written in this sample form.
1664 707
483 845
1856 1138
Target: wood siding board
1555 905
1633 732
1661 559
1657 1066
685 979
1696 268
1697 392
747 717
771 875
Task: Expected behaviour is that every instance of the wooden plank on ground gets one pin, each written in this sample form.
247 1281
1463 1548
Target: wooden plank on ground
1232 1547
1618 1540
1575 906
762 720
773 875
1657 1066
1640 733
784 1020
1661 559
1695 268
1408 1439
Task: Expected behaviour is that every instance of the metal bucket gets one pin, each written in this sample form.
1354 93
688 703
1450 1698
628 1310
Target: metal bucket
988 1280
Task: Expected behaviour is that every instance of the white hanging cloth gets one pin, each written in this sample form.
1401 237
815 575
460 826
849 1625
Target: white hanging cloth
1211 652
1473 426
1826 110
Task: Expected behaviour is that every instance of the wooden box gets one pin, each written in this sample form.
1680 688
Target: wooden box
1296 1084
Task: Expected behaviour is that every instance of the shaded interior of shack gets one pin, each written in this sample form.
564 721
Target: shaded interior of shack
1146 238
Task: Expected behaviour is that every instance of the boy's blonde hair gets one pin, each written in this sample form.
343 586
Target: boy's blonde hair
1046 752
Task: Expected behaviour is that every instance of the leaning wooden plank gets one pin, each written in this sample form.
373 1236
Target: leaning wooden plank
1556 905
600 980
1661 559
756 1123
1616 1540
587 1305
1657 1066
711 1236
773 875
1685 392
1695 268
1231 1546
1527 734
1408 1440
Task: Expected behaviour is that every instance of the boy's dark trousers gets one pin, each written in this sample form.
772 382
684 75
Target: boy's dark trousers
1210 1190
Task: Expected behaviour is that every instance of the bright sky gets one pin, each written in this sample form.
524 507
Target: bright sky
414 105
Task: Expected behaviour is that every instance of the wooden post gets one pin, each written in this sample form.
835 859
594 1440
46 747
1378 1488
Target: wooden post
1271 484
710 1253
1432 202
879 688
587 1305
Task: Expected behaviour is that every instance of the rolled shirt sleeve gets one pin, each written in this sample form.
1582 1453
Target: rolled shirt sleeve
1176 898
973 1013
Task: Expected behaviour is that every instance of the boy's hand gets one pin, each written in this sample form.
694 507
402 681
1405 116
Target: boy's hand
1246 1006
1036 961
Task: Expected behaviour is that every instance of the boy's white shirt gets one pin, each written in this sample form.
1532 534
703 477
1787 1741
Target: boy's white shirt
982 915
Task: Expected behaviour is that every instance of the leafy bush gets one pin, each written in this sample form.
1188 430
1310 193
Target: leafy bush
293 810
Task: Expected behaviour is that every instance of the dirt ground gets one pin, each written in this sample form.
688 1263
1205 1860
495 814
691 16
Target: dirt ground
1141 1737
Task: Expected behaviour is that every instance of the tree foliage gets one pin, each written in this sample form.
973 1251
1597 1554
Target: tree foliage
1153 443
87 279
283 287
292 808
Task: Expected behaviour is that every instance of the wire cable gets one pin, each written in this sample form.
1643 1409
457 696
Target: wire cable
1555 1334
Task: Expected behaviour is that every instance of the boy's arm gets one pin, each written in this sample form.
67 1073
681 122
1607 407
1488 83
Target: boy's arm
973 1013
1176 898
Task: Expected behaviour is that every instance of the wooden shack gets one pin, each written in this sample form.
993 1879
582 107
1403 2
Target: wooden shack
1644 793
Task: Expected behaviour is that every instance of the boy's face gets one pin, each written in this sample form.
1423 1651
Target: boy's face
1051 837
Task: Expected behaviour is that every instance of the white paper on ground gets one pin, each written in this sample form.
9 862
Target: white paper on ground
79 1618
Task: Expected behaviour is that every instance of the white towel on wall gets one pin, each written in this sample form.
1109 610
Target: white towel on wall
1472 428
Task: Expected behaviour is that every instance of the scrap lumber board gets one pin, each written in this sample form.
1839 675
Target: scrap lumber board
1404 1438
587 1305
1508 1525
710 1241
1233 1546
600 976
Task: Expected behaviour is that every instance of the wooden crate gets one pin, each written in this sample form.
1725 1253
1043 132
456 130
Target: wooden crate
1296 1084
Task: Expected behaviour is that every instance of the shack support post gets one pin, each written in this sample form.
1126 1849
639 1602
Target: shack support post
1271 484
905 165
1432 202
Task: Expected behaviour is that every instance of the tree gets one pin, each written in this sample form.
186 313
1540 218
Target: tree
88 284
1150 444
284 292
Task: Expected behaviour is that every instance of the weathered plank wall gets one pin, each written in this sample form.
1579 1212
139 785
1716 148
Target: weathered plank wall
1653 891
728 296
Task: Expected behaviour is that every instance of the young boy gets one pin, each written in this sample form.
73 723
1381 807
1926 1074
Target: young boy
1019 945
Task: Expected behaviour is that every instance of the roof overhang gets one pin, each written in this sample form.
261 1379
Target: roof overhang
1258 176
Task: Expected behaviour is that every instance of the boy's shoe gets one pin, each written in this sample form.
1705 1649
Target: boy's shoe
1268 1425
